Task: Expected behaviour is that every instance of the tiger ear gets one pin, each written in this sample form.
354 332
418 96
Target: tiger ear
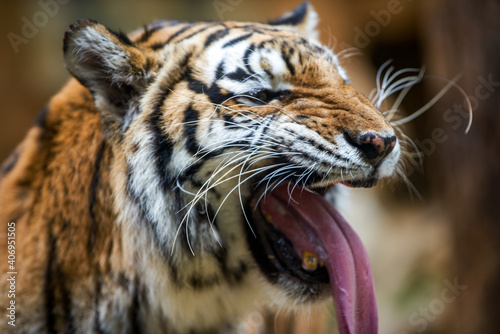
303 19
106 62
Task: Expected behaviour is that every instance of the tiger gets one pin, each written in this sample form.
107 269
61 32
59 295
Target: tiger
180 178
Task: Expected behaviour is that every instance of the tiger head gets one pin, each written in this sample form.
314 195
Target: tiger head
230 134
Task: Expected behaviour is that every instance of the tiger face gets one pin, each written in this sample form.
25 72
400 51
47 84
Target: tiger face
224 137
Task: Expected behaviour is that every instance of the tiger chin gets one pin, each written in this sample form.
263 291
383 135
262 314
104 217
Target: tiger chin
177 181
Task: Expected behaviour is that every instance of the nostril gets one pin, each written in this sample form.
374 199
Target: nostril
373 146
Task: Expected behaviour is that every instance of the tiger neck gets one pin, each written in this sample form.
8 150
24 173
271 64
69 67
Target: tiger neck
201 280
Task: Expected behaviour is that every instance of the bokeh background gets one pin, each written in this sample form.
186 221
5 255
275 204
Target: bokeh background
435 249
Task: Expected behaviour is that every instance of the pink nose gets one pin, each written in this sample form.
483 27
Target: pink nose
373 147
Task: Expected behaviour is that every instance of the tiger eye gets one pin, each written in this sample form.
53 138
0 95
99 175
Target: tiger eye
262 95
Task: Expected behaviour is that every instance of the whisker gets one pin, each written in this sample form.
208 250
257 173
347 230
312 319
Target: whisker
411 188
453 82
404 92
390 87
429 104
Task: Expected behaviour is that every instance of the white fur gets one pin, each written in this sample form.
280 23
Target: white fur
389 164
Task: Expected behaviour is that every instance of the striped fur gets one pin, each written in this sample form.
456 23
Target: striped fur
128 192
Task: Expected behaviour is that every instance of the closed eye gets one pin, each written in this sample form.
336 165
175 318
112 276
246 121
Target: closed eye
262 97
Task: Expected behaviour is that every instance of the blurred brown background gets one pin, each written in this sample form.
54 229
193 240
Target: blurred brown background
436 261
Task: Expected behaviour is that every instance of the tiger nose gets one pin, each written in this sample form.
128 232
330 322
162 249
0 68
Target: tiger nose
374 147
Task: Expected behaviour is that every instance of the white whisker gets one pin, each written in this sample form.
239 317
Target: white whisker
429 104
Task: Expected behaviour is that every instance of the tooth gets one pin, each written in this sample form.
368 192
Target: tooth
268 217
309 261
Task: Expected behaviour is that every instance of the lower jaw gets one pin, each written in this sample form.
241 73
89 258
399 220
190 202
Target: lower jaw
263 240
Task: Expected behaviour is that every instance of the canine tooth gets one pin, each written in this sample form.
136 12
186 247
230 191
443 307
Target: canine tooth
268 217
309 261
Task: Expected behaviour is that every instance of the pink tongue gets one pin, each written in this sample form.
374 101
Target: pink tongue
312 224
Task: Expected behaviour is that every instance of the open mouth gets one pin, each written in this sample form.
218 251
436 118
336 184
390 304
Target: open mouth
299 238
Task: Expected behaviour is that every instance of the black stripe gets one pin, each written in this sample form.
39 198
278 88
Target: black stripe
239 75
215 95
120 96
148 65
148 32
163 145
246 57
160 45
134 310
321 147
122 37
65 302
213 92
196 86
236 40
198 282
235 276
288 63
219 72
93 195
216 36
180 31
183 64
190 126
189 172
49 292
301 59
232 276
258 31
198 31
42 116
10 162
157 46
57 295
228 120
269 72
